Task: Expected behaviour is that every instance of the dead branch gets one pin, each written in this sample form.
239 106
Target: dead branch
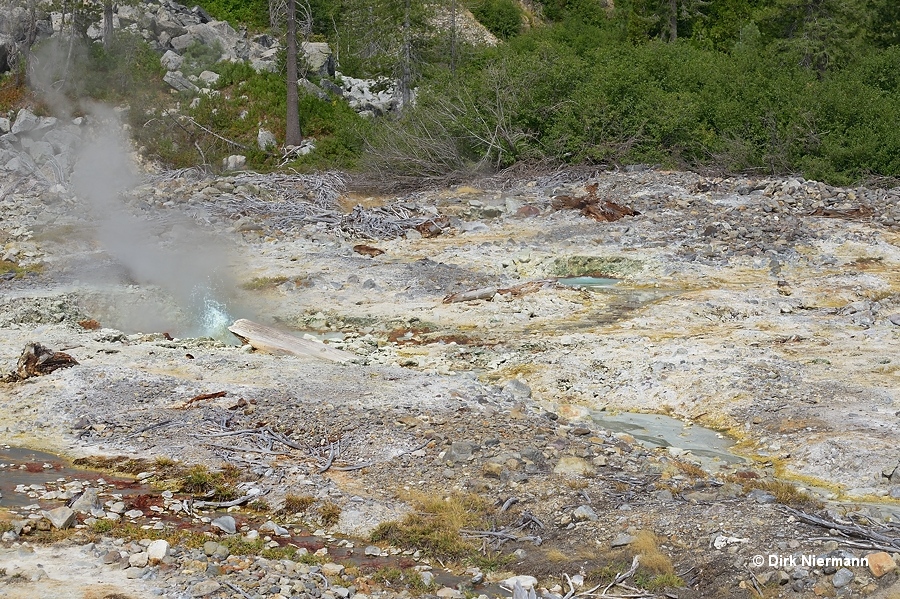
237 589
866 533
205 396
37 360
216 135
330 460
485 293
369 464
248 449
620 578
232 503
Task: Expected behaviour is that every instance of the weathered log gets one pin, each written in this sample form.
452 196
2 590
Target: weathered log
485 293
269 340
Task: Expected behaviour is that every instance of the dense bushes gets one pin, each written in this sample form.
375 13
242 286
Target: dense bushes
503 18
548 95
254 13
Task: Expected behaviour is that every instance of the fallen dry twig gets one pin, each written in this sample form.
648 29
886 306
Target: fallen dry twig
204 396
874 537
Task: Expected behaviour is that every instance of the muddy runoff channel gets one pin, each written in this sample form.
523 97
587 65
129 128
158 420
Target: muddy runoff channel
649 369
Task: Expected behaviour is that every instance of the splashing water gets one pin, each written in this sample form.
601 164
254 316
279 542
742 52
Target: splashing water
211 315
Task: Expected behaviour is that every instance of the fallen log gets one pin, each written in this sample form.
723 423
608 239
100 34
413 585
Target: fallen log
488 293
272 341
485 293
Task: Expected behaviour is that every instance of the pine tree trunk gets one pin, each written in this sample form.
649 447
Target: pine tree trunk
107 24
453 37
673 20
406 67
292 135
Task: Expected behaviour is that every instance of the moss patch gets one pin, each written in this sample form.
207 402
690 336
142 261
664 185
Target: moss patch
596 266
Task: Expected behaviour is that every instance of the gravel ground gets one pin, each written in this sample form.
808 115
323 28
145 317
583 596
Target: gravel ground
766 309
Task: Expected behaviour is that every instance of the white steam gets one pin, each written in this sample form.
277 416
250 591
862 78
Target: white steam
173 254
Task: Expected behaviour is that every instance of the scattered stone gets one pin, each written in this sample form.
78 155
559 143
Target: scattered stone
209 78
842 578
61 517
518 388
138 560
621 541
180 83
372 550
234 162
332 569
880 563
584 512
157 551
205 588
226 524
265 139
573 466
210 547
460 451
526 582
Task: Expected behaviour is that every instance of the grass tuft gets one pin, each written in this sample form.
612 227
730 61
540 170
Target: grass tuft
434 526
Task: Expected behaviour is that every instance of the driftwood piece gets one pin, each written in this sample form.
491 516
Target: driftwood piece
232 503
488 293
204 396
270 340
37 360
485 293
859 212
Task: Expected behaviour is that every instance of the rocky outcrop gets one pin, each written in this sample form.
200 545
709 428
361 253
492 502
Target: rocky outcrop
40 146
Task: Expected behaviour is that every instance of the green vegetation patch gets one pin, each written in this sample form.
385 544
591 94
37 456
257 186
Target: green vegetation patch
434 525
596 266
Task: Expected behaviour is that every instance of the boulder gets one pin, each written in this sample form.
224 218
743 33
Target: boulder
313 89
157 551
880 563
234 162
40 150
180 83
25 121
265 139
61 517
225 523
171 61
87 501
61 140
318 57
5 125
209 78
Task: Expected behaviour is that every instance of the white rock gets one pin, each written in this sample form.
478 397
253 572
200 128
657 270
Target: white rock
157 551
527 582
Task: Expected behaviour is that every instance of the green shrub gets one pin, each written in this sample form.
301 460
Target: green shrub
503 18
253 13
